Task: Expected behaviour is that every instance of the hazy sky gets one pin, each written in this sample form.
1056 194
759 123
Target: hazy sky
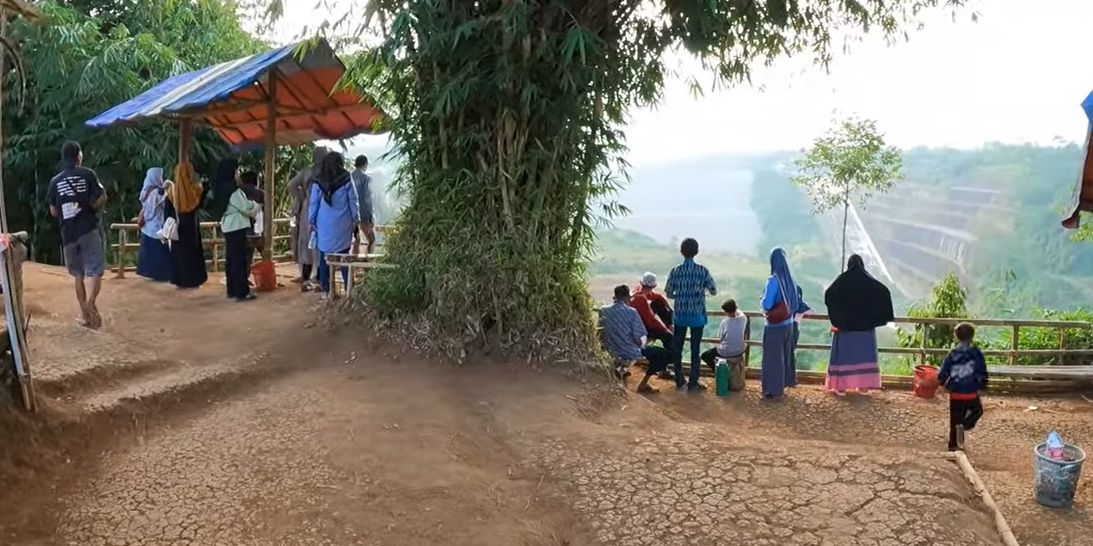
1016 75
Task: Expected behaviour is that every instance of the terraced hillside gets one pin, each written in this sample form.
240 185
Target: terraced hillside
924 232
991 216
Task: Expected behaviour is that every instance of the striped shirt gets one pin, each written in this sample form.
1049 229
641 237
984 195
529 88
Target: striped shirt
688 284
622 331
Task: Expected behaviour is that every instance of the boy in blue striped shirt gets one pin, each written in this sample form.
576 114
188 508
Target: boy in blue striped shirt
688 285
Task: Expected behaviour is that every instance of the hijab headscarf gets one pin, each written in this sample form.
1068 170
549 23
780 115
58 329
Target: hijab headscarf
186 192
779 269
151 201
856 301
332 176
224 186
153 180
252 191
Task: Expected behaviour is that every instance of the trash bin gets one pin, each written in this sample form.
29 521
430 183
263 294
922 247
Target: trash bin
1056 481
925 383
265 276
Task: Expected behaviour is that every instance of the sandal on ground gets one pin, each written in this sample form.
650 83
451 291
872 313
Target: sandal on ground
93 317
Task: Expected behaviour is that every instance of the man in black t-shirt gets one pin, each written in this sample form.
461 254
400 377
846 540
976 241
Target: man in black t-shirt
75 197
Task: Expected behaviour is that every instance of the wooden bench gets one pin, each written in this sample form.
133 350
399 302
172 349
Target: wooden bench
354 263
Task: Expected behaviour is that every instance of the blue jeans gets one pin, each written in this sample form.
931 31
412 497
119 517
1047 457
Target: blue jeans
324 271
677 352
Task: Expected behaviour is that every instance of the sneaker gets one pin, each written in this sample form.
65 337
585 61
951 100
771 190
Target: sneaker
248 297
960 437
697 387
666 375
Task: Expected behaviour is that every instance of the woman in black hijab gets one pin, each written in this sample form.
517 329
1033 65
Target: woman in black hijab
858 304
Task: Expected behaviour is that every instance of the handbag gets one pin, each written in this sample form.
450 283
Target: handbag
779 313
169 232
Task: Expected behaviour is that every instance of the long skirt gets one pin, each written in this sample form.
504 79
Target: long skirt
154 259
187 255
853 362
777 360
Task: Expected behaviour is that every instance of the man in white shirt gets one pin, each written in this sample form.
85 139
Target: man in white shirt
731 334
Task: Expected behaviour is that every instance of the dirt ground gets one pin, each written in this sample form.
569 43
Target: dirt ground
205 421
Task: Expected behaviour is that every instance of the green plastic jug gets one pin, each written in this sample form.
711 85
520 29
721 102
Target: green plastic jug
722 377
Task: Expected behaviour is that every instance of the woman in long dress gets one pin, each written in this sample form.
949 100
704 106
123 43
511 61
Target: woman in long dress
300 189
187 255
780 301
154 257
858 304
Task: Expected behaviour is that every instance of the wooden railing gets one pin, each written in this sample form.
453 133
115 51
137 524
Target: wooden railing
211 239
923 352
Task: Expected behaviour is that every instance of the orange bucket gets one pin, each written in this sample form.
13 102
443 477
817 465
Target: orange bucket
925 381
265 276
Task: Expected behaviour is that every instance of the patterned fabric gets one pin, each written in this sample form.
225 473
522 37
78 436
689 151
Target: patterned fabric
853 362
622 331
964 371
688 284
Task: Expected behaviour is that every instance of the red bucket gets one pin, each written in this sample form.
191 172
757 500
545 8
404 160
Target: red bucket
265 276
925 381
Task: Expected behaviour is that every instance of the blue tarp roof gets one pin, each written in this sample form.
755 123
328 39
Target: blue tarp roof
195 90
233 98
1087 105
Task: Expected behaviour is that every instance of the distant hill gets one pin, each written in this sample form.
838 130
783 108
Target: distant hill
989 215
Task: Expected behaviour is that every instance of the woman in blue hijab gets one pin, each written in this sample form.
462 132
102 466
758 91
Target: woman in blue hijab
154 257
781 301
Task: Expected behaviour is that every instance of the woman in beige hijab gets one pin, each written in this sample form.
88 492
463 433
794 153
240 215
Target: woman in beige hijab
300 188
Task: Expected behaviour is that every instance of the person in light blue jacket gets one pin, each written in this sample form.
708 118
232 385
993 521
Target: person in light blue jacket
781 301
154 256
334 213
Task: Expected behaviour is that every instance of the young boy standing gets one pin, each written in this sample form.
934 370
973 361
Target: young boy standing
731 334
963 374
688 285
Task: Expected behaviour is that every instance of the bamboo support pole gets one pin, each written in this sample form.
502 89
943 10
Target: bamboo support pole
271 156
1013 344
1004 531
922 345
123 240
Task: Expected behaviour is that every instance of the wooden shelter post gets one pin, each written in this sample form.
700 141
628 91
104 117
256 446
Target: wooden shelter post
185 134
271 157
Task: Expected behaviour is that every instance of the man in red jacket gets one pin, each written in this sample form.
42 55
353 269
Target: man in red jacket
655 312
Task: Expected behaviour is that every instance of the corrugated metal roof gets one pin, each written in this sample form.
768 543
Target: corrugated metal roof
232 97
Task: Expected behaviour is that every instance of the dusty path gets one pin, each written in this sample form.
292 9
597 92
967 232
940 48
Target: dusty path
211 422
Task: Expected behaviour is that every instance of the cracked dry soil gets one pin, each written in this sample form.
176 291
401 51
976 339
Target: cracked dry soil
358 444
